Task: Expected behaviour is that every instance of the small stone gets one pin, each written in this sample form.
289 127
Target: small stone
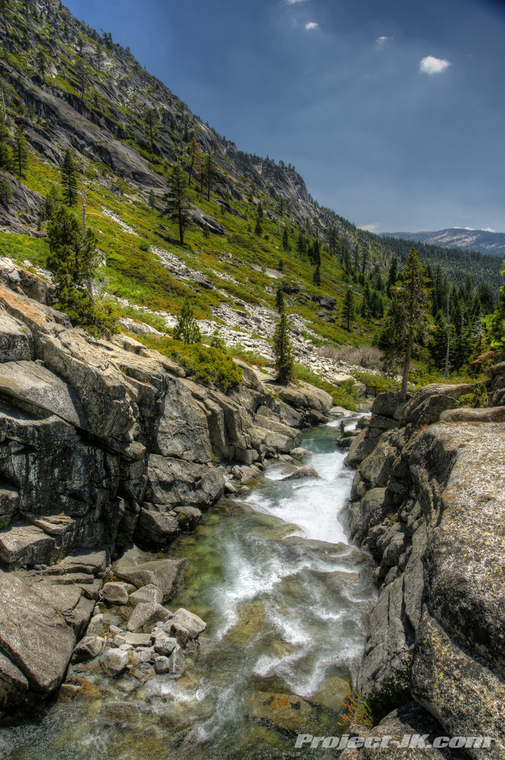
88 648
162 664
115 630
182 636
177 662
114 661
164 644
133 639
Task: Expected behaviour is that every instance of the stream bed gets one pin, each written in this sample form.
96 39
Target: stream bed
285 599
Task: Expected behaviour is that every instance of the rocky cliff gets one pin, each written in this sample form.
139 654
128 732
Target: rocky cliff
100 438
428 501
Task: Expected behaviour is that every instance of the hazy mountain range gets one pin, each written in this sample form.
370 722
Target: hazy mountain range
485 241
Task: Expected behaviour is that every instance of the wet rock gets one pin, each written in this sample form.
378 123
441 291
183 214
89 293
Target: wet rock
114 661
115 593
145 616
288 712
340 411
299 453
176 662
149 594
187 621
88 648
334 692
303 472
13 684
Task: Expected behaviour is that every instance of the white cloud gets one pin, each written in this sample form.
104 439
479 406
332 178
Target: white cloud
488 229
311 25
369 227
290 2
431 65
381 41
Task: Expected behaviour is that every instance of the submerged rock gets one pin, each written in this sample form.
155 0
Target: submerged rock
303 472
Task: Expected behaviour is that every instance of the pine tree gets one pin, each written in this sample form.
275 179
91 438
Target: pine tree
41 62
279 300
82 74
209 168
177 204
6 154
152 199
283 352
409 316
186 329
316 278
69 179
73 260
348 308
20 152
285 239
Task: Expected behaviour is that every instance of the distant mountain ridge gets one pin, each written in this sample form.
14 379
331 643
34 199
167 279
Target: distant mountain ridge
484 241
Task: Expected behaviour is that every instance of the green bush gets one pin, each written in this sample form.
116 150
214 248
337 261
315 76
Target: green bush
207 364
477 399
378 383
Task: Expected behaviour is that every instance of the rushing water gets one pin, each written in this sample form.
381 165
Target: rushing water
285 598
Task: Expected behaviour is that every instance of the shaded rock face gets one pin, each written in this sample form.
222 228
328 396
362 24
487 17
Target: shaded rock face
428 503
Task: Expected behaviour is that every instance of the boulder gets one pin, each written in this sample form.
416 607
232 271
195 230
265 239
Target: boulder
174 482
114 661
188 621
13 684
145 616
157 527
466 414
386 404
303 472
286 711
149 594
361 447
161 664
34 635
299 453
115 593
16 342
25 545
176 662
163 643
188 517
163 573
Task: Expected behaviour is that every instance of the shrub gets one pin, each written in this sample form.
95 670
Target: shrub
368 708
377 383
476 399
207 364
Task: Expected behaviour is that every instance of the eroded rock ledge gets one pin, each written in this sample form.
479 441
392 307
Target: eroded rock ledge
428 500
99 438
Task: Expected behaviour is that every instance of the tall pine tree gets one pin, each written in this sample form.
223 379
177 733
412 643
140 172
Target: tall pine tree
69 180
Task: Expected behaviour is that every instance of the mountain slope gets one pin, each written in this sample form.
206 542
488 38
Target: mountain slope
483 241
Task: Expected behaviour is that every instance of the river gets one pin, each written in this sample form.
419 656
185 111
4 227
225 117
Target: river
285 598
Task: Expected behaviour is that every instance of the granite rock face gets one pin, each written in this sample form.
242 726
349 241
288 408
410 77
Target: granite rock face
98 438
429 501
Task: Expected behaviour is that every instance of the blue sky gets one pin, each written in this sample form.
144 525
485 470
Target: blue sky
393 111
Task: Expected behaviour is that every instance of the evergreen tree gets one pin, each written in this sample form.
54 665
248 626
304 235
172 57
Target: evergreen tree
438 345
69 179
409 316
301 244
152 199
348 308
279 300
6 154
393 275
209 168
365 303
41 62
82 74
283 352
73 260
195 156
20 152
186 329
258 229
5 192
177 204
285 239
151 120
316 277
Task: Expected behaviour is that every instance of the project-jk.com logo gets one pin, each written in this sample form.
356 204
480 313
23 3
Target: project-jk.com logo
409 741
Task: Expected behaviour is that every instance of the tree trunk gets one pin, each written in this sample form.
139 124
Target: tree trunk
406 367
